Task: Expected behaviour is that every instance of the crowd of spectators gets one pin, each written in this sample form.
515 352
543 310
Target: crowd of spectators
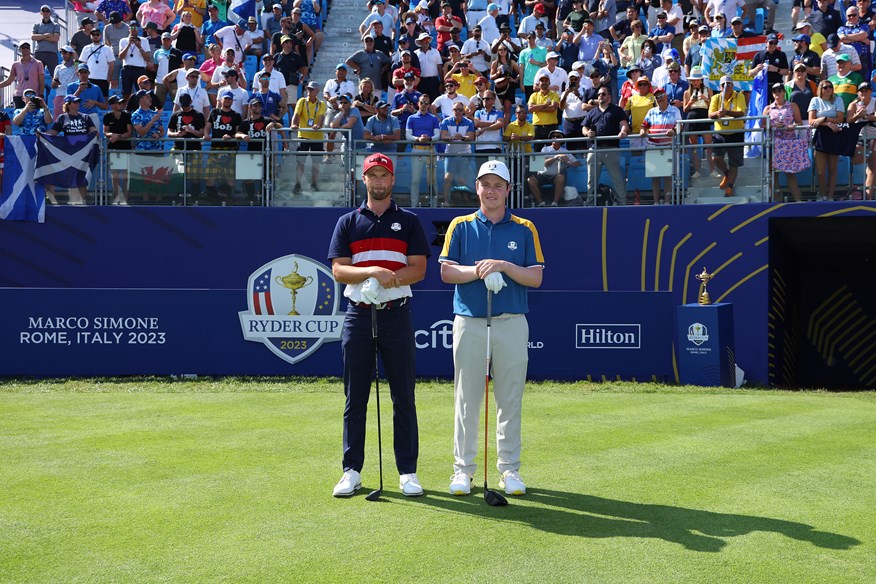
479 77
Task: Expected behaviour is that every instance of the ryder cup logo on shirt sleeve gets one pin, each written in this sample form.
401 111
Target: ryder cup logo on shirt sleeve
292 304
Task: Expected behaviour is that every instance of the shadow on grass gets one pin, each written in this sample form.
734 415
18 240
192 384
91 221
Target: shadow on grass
597 517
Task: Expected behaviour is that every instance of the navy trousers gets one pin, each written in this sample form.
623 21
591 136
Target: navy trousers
395 342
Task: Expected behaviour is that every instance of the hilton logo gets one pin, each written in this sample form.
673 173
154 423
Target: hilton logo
608 336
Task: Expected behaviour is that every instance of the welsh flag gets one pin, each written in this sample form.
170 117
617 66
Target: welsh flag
154 173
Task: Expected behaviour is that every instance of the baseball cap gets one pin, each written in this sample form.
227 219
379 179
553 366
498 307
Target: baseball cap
410 21
142 78
451 46
800 65
832 40
864 86
214 7
703 28
578 64
267 57
410 75
241 23
82 67
313 85
491 7
192 72
670 54
256 101
381 104
24 44
285 38
553 55
141 93
496 167
842 57
659 91
86 20
661 14
726 79
346 96
29 92
777 86
117 99
735 20
574 74
252 20
151 25
380 160
802 37
539 8
230 72
67 49
673 67
223 95
801 25
424 36
45 7
481 79
277 7
165 35
555 134
340 66
264 75
772 38
188 56
115 17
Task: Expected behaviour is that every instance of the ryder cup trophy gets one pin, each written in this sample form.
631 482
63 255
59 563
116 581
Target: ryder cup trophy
704 299
294 282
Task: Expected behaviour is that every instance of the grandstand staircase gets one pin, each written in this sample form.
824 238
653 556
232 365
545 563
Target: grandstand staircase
748 187
341 41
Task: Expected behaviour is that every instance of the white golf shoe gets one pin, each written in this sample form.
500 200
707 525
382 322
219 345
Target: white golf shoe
348 485
410 485
460 484
512 483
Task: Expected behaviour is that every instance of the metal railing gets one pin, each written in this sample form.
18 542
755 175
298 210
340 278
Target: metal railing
291 171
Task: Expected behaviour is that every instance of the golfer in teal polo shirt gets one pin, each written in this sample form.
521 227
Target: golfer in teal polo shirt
494 250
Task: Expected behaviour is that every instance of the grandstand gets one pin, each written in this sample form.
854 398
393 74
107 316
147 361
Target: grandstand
337 185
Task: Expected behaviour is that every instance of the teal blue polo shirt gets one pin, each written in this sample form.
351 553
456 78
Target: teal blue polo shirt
474 237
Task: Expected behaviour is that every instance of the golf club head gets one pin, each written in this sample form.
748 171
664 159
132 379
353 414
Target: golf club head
374 495
493 498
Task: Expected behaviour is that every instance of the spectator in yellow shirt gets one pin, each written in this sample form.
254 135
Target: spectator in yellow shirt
544 104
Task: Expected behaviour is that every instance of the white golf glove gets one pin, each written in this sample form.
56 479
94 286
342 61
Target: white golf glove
371 291
495 282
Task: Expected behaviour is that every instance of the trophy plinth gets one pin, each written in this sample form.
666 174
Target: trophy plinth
293 282
704 278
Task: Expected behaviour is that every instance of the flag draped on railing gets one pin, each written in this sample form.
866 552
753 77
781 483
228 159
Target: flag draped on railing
66 161
22 199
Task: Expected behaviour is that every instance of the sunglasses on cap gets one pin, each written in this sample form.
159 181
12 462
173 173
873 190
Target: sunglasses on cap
643 84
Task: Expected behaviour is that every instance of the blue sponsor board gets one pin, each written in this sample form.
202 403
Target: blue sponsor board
161 332
611 250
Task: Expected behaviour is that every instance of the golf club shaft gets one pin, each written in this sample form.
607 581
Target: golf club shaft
377 391
487 387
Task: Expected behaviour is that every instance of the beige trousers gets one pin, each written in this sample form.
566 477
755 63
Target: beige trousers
509 336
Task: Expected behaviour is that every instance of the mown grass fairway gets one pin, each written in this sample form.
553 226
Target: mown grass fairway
230 480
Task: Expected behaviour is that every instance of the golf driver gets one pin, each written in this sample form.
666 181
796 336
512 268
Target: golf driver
375 495
491 497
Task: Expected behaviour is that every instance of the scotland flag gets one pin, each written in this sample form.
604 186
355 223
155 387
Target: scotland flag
65 161
22 199
243 8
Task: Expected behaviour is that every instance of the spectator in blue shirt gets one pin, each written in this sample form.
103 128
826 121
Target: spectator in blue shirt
90 94
273 105
460 132
663 33
405 102
382 128
34 117
423 128
210 26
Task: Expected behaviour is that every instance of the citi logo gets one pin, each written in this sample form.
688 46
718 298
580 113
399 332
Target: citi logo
439 336
608 336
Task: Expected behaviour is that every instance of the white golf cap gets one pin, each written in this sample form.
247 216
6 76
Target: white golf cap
496 167
553 55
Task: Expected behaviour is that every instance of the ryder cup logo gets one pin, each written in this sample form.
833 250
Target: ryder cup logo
512 245
292 303
697 334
